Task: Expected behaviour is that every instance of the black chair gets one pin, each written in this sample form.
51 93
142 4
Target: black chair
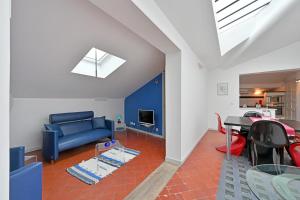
245 130
266 136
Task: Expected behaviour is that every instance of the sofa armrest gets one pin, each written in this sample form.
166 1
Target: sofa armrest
50 145
26 182
110 124
17 158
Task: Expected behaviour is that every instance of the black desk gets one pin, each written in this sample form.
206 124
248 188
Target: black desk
238 121
246 122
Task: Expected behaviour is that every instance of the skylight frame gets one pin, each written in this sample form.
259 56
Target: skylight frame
98 67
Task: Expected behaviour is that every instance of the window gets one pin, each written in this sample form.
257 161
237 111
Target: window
229 13
98 63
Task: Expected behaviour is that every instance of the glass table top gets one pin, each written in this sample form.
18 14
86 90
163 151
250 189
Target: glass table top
109 149
274 182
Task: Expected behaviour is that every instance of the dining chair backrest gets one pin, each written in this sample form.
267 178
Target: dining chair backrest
244 129
253 114
269 134
220 127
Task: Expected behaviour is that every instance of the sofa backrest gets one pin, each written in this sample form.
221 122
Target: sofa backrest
68 117
73 122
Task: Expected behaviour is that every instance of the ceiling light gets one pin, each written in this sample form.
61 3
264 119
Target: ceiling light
257 92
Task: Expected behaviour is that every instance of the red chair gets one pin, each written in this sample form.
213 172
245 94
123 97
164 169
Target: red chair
237 146
294 151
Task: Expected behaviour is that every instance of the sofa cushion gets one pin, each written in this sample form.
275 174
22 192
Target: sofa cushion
99 122
78 139
75 127
54 127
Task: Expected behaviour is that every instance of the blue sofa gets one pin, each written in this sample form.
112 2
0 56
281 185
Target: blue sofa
70 130
25 181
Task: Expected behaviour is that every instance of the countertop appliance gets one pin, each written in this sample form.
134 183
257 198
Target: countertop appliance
276 100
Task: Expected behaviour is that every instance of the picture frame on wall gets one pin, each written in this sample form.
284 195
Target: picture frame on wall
222 89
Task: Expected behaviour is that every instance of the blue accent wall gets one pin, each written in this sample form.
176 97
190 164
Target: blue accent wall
148 97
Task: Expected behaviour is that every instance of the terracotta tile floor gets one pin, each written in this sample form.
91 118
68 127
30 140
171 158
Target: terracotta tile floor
198 177
58 184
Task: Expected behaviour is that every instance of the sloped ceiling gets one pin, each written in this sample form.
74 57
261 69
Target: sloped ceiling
130 16
284 32
194 20
48 39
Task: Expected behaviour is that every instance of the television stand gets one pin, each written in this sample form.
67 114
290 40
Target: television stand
147 125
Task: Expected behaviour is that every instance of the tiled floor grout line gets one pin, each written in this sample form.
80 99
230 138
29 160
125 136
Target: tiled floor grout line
198 177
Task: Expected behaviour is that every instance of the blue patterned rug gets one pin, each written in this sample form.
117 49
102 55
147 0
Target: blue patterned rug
96 168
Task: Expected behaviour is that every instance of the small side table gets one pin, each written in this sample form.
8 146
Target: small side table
30 159
120 127
105 146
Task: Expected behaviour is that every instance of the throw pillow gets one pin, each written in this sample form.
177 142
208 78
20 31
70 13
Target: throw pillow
99 122
54 127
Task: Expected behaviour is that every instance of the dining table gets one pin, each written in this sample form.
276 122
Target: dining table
247 122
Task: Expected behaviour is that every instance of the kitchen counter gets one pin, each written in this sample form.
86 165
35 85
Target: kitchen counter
260 110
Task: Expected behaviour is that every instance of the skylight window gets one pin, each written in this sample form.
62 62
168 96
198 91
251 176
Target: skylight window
236 20
229 13
98 63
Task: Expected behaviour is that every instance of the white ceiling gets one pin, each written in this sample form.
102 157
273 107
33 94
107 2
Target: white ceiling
284 32
194 20
48 39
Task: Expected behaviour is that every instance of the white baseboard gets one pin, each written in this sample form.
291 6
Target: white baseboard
180 162
192 149
173 161
146 132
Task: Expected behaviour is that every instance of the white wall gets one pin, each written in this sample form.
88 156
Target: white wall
281 59
193 102
28 115
190 100
4 97
173 109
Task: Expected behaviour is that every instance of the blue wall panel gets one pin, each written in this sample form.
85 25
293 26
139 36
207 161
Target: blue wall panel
148 97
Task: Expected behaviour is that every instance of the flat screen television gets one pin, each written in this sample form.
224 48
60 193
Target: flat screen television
146 117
